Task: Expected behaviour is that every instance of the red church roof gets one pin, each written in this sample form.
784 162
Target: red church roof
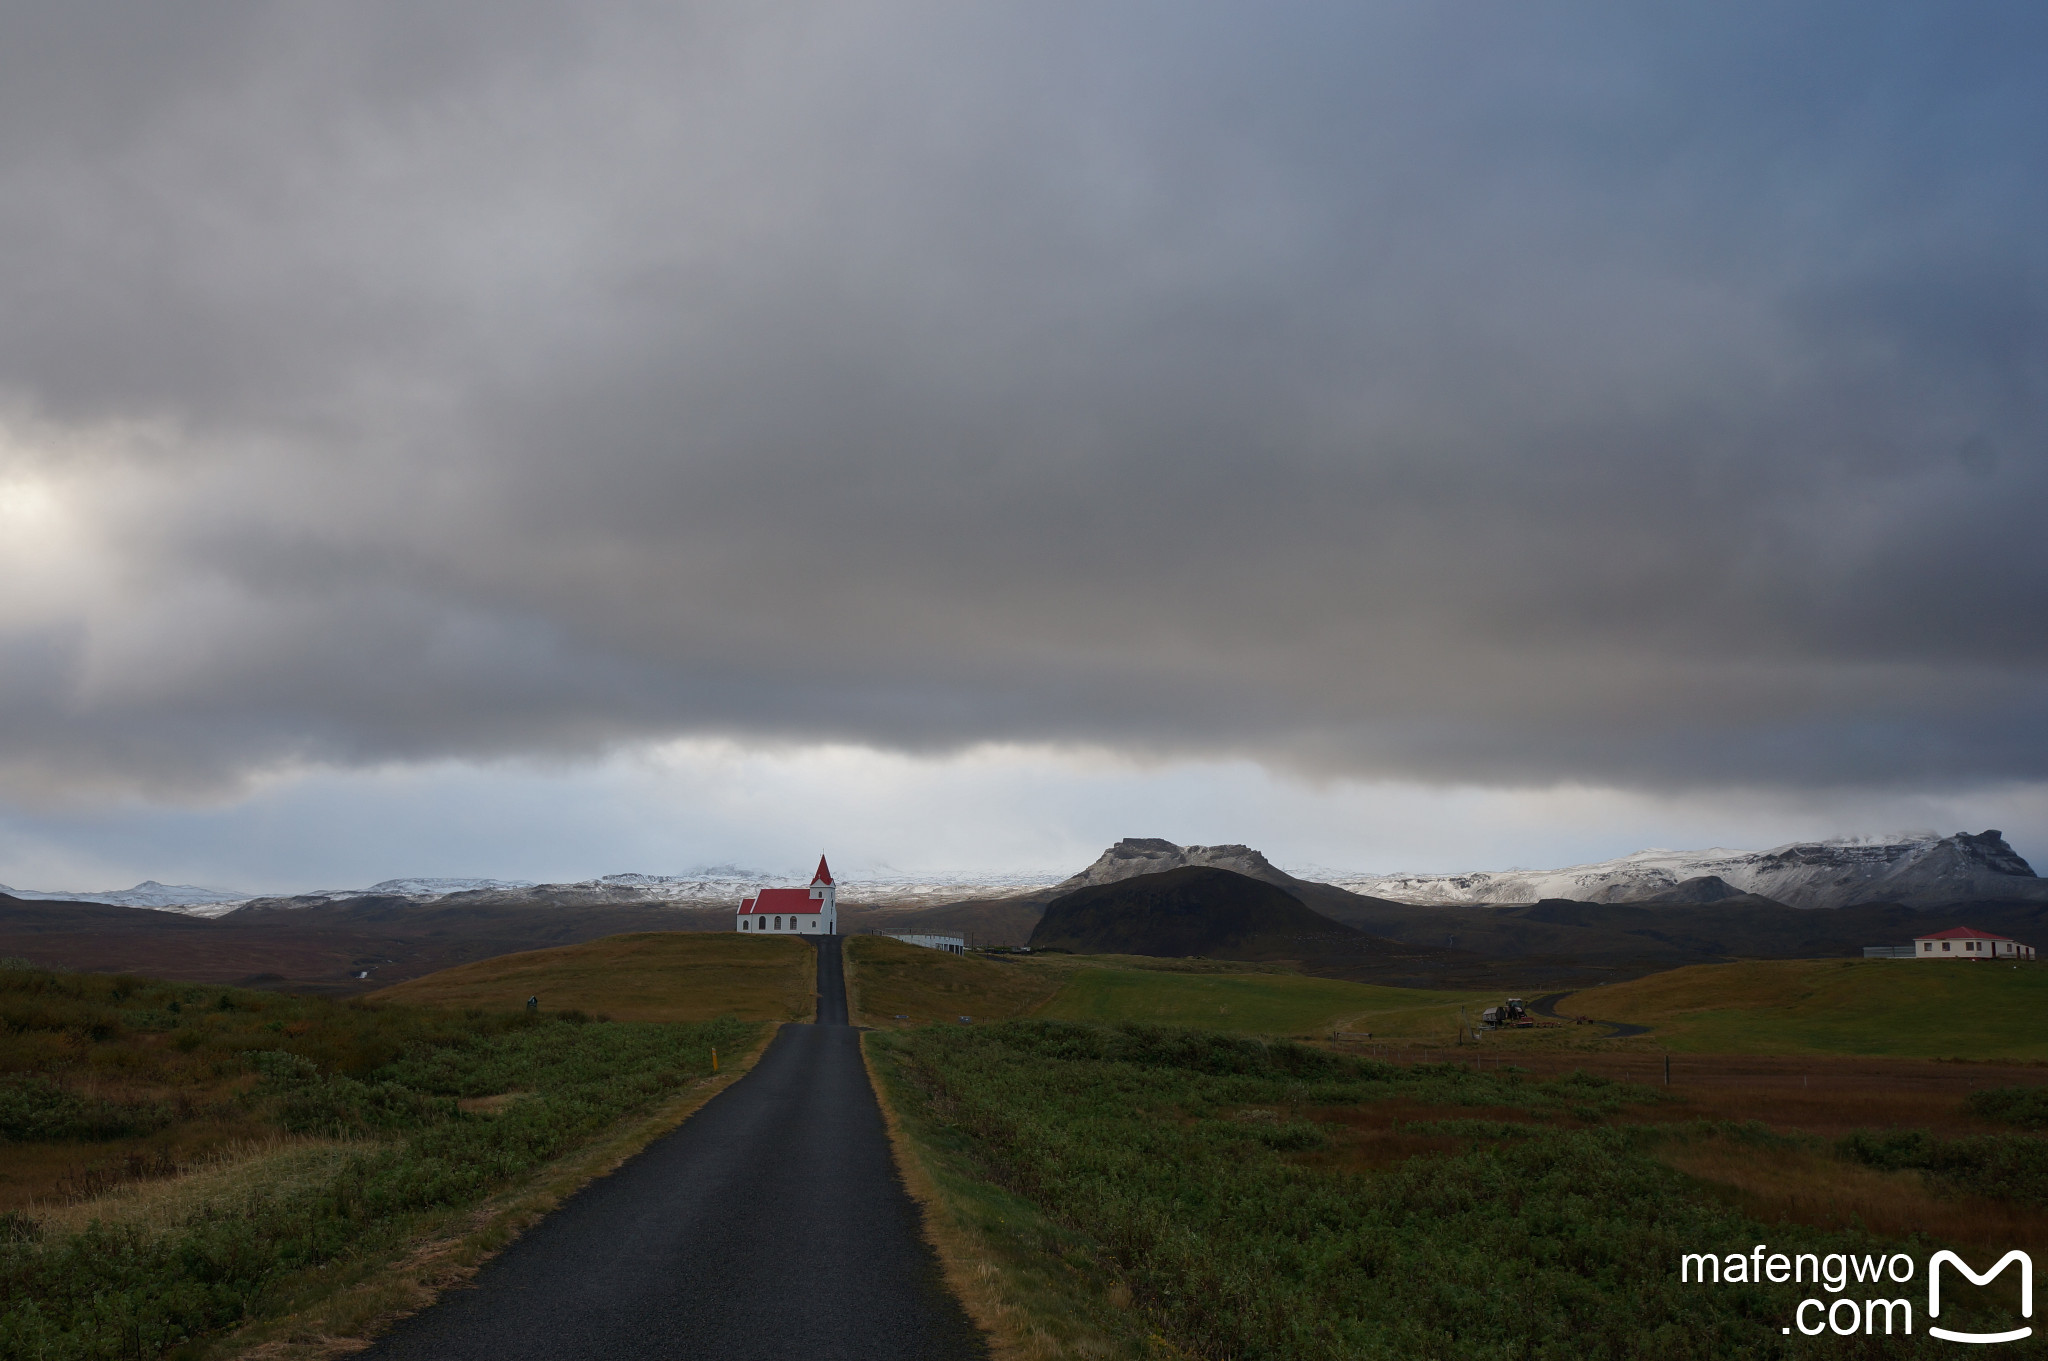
1962 933
824 874
798 900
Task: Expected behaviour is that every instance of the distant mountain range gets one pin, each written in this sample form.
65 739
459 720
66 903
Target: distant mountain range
720 887
198 902
1920 869
1621 918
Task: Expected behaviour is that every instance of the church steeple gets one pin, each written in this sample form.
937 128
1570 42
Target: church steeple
824 874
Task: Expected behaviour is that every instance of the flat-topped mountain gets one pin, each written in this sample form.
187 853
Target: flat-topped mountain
1136 855
1198 910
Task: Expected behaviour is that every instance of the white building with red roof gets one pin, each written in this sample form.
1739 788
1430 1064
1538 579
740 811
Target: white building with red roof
812 911
1966 942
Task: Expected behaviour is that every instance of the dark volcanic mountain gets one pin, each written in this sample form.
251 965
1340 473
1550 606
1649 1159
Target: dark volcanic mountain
1194 910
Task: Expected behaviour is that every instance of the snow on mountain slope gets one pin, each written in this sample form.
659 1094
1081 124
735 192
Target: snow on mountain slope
1136 855
434 888
720 886
197 902
1920 869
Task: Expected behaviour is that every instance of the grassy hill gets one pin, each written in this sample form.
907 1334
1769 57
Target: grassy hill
1576 944
1896 1007
1258 1003
317 947
891 979
650 976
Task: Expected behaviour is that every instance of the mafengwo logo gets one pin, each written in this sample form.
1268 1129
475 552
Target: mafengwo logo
1837 1272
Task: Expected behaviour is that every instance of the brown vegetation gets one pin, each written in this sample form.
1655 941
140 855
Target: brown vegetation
314 948
892 983
652 976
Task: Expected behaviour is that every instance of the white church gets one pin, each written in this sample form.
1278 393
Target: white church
809 911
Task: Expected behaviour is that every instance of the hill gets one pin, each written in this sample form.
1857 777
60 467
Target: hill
340 947
650 976
1897 1007
892 983
980 921
1260 1003
1192 911
1567 940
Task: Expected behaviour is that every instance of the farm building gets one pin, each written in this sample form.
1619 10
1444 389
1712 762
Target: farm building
812 911
1966 942
956 945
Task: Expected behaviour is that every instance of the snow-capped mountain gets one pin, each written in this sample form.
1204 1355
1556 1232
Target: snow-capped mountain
725 885
1919 869
186 898
716 886
1136 855
434 888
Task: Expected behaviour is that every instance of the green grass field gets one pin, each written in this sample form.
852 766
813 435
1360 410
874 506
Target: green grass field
179 1160
1149 1191
646 976
1259 1003
1892 1007
891 979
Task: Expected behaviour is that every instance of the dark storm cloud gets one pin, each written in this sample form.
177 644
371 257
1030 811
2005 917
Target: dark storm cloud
1504 393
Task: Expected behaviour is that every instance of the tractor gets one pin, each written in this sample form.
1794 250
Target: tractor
1509 1013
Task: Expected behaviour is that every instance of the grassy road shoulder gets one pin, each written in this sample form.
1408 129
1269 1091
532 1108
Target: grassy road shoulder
1028 1282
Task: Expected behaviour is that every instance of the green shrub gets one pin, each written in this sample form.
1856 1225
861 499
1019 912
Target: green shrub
1180 1157
33 1107
2014 1166
121 1291
2026 1107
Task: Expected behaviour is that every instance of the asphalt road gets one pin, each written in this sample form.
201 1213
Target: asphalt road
1546 1005
771 1224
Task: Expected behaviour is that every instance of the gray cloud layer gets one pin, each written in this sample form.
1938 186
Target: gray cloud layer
1500 392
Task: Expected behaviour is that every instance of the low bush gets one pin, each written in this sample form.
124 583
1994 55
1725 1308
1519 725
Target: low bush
2011 1166
2026 1107
33 1107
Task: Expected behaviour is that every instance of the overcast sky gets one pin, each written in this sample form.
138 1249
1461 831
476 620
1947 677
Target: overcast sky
541 440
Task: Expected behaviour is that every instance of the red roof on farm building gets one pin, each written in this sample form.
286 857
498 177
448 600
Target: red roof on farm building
1963 933
798 900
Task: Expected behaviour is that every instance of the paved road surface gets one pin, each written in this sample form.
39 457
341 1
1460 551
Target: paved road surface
1546 1005
771 1224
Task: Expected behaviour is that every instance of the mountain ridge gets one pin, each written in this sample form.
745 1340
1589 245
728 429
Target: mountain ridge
1921 870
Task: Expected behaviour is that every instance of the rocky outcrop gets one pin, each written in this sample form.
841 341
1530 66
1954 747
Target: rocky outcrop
1136 855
